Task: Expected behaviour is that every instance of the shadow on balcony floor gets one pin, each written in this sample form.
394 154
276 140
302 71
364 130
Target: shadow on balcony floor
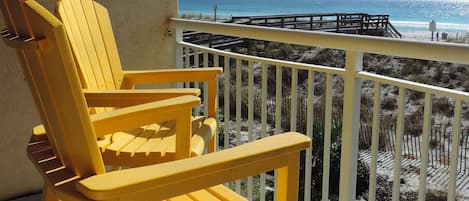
32 197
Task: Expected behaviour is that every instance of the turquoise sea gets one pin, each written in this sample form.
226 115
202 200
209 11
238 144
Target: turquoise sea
410 16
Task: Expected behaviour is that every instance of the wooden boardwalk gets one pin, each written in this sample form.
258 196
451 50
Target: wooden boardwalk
437 176
350 23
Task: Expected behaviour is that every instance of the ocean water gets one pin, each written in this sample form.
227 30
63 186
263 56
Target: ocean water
411 17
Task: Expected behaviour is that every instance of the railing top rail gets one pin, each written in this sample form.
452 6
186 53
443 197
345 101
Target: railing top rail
447 52
290 64
297 15
385 16
461 95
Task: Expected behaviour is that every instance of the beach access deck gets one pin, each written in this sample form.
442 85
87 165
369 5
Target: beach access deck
349 23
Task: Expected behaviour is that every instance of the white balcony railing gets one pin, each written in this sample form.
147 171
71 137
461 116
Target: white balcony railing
352 77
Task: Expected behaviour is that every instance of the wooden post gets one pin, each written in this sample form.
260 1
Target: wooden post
215 7
386 22
361 24
311 23
337 24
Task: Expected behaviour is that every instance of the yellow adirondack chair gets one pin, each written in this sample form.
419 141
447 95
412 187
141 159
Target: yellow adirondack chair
89 30
68 156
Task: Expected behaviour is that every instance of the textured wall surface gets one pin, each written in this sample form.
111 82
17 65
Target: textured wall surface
17 115
140 29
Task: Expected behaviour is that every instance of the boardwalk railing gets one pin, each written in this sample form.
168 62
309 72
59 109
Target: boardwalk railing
355 23
246 77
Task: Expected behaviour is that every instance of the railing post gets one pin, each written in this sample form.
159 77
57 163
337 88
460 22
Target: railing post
349 153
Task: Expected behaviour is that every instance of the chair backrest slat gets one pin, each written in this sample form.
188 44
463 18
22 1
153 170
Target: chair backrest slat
51 73
109 43
94 48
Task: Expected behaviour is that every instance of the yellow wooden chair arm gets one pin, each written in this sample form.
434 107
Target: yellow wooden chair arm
208 75
171 76
157 182
127 97
135 116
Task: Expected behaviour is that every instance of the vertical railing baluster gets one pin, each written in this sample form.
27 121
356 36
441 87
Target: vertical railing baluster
466 146
398 141
217 100
439 146
238 112
375 140
263 121
351 117
205 85
419 147
404 145
392 137
205 59
293 99
278 99
278 107
250 119
327 138
216 60
427 118
196 84
187 64
433 134
226 103
196 58
462 164
179 52
454 151
309 132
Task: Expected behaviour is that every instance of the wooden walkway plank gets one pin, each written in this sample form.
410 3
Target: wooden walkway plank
437 176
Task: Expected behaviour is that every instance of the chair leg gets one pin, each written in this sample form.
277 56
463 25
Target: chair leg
212 145
48 194
287 178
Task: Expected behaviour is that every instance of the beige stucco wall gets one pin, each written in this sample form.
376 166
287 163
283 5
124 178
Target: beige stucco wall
141 32
17 115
